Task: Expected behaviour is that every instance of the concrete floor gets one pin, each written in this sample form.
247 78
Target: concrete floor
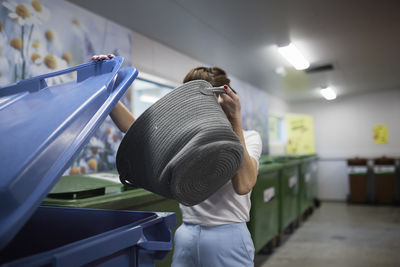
341 235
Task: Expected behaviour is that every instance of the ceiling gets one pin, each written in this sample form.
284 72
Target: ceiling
361 38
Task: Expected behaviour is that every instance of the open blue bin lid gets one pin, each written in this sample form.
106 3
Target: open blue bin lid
43 128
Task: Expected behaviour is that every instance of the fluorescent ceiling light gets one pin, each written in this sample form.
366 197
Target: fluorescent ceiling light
148 98
293 55
328 93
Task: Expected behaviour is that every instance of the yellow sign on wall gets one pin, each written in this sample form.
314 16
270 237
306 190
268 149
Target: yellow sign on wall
380 134
300 134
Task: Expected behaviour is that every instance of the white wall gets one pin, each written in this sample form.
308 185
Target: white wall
343 128
152 57
279 108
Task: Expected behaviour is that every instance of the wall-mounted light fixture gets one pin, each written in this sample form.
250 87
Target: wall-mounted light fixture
292 54
328 93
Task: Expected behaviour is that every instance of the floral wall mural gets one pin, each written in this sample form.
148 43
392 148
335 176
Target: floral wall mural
38 37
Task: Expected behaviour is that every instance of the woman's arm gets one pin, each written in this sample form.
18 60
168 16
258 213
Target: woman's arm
246 177
122 117
120 114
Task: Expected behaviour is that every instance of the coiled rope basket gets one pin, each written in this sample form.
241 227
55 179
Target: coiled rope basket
182 147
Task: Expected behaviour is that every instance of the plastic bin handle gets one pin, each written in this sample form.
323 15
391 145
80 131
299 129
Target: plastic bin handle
156 245
84 71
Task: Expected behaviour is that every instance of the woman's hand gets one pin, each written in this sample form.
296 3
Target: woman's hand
103 57
230 103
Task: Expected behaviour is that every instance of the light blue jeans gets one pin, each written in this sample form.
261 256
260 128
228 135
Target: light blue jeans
228 245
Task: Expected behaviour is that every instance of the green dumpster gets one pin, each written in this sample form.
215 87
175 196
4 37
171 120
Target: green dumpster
289 189
307 182
264 213
104 191
313 192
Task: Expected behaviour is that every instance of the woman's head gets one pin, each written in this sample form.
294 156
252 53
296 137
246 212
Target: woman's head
214 75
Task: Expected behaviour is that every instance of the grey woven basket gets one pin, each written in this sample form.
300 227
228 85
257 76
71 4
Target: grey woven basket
182 147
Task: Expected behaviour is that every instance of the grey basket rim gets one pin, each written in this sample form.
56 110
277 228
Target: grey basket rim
204 87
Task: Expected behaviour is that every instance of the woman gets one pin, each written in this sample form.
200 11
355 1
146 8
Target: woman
214 232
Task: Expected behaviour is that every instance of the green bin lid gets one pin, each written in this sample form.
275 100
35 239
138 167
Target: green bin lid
84 186
269 167
265 159
287 160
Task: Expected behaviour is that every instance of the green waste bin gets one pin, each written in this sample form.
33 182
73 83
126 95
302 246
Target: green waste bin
313 185
264 213
104 191
307 182
289 189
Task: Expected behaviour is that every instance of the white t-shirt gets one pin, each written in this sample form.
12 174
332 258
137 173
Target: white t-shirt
225 205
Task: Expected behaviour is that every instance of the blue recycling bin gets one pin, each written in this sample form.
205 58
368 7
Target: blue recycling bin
42 129
56 236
